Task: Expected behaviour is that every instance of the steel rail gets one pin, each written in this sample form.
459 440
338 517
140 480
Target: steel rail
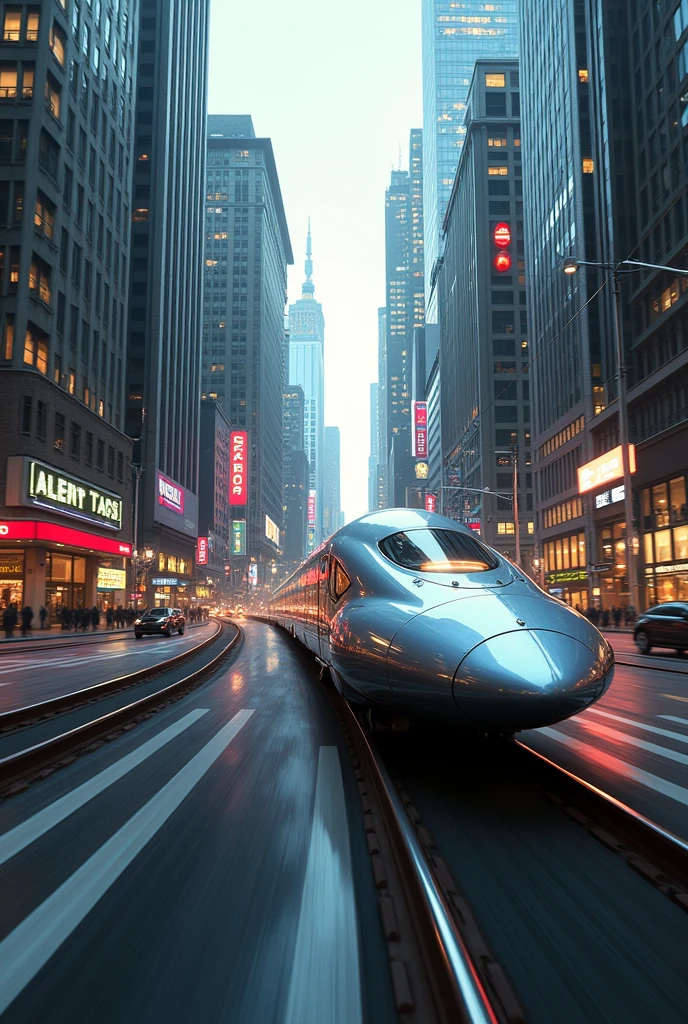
463 993
32 713
16 767
660 855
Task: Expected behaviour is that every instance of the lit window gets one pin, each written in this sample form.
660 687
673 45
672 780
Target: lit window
101 407
505 528
58 44
32 21
140 214
531 527
494 171
8 82
496 143
588 165
242 154
583 75
144 156
495 81
12 27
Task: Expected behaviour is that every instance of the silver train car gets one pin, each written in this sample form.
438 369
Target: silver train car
411 612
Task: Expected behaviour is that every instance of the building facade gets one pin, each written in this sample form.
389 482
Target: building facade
484 354
296 477
382 486
332 510
373 456
214 521
66 129
247 249
609 119
307 369
454 36
165 313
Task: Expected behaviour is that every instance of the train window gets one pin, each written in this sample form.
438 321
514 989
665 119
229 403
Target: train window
438 551
339 581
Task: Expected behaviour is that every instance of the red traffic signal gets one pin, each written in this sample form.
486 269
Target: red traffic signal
502 235
502 262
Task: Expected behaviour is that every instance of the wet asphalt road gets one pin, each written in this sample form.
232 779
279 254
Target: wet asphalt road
39 674
224 877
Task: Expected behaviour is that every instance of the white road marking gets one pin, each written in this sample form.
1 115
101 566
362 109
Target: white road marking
615 764
624 737
325 979
673 718
67 659
28 948
23 835
681 737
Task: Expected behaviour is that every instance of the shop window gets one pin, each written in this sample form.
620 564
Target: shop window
161 561
171 563
646 509
183 566
649 554
660 505
681 543
677 500
663 546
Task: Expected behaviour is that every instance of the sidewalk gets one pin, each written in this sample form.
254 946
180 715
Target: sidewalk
55 632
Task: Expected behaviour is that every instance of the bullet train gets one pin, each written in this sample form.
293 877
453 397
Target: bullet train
412 613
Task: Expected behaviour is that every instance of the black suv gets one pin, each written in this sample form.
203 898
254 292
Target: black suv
665 625
160 620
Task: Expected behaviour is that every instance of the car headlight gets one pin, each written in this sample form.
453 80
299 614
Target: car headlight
137 622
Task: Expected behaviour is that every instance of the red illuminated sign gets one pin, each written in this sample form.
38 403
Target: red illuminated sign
238 467
311 508
502 262
475 527
430 502
419 411
202 551
502 235
26 529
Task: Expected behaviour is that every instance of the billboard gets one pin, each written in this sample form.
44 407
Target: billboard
238 543
419 412
272 531
111 579
430 502
238 467
605 469
311 507
175 506
31 482
202 551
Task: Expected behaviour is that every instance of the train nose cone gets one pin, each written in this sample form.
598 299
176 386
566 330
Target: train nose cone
529 678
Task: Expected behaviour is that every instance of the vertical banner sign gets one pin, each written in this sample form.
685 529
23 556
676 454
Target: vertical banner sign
430 502
311 508
202 551
238 467
253 574
238 537
420 429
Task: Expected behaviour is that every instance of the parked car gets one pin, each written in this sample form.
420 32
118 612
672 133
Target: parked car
160 620
665 625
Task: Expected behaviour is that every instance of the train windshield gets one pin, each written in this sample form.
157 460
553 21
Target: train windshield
438 551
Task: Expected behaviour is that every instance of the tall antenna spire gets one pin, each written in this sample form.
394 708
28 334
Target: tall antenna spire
308 286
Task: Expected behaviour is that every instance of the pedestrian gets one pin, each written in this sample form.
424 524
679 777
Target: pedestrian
26 619
119 616
605 618
110 618
95 617
9 620
617 617
42 615
76 618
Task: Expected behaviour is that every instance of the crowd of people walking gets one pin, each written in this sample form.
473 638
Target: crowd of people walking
605 618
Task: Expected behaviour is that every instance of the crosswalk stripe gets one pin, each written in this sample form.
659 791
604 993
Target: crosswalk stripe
678 736
624 737
32 943
615 764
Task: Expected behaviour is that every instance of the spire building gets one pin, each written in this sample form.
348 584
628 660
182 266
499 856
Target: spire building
306 369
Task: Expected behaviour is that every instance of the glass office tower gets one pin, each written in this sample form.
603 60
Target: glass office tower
454 37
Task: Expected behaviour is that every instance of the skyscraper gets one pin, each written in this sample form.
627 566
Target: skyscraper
66 122
164 326
373 456
382 468
306 368
332 512
296 476
399 337
485 380
247 252
454 37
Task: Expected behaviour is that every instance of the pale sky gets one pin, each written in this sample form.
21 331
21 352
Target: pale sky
337 87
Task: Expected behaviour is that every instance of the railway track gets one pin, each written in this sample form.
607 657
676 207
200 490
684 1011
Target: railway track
482 837
52 733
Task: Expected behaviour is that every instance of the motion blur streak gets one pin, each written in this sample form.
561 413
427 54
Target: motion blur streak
325 980
28 948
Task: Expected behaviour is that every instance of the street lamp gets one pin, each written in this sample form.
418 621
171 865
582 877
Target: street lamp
142 561
570 266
